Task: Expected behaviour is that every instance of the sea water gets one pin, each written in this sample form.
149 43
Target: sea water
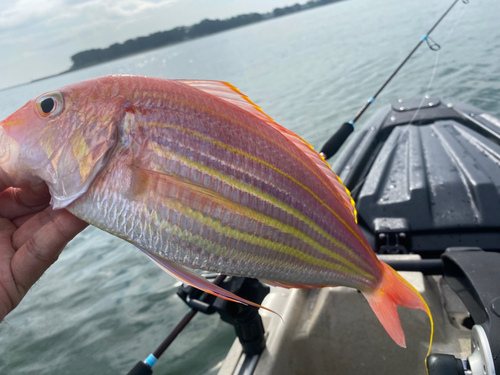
103 306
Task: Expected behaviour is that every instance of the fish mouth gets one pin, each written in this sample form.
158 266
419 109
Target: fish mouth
9 151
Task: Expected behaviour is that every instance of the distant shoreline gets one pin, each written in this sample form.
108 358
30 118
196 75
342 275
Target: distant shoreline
181 34
206 27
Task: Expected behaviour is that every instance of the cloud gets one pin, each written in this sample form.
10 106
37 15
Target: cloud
123 8
21 12
37 25
50 12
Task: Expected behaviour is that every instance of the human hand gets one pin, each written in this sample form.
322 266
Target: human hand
32 235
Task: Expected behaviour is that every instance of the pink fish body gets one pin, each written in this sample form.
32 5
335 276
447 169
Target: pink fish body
199 177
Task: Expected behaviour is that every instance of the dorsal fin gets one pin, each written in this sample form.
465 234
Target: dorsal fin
231 94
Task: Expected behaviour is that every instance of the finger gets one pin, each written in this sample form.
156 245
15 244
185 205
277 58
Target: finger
29 224
8 290
34 195
38 253
3 184
17 202
19 221
6 231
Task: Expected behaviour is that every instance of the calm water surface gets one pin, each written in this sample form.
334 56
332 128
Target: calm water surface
103 306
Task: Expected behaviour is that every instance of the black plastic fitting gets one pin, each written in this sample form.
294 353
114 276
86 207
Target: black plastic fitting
337 140
141 369
444 364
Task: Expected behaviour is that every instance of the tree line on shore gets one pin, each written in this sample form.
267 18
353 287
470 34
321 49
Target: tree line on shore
182 33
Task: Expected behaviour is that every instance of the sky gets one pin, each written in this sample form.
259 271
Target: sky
38 37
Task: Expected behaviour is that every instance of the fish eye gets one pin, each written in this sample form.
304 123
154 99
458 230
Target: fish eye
47 105
50 104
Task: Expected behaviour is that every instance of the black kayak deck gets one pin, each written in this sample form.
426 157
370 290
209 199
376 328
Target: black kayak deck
425 175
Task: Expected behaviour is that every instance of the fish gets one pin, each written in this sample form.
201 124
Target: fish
197 176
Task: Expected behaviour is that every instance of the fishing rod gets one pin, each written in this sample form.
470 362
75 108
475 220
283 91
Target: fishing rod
146 367
245 318
338 139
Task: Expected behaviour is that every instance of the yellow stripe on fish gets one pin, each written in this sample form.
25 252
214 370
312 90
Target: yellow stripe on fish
144 186
260 193
224 251
266 197
262 242
286 150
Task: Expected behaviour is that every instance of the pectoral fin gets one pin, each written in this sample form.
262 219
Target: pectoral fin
190 277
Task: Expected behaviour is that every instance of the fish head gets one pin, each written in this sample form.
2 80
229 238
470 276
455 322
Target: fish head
63 137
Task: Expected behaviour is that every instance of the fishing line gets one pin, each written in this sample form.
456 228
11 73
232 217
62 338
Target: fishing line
431 81
426 94
338 139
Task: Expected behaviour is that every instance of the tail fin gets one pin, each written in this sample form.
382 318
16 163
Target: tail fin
393 291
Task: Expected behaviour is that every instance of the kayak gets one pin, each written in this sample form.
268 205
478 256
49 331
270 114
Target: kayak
425 175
